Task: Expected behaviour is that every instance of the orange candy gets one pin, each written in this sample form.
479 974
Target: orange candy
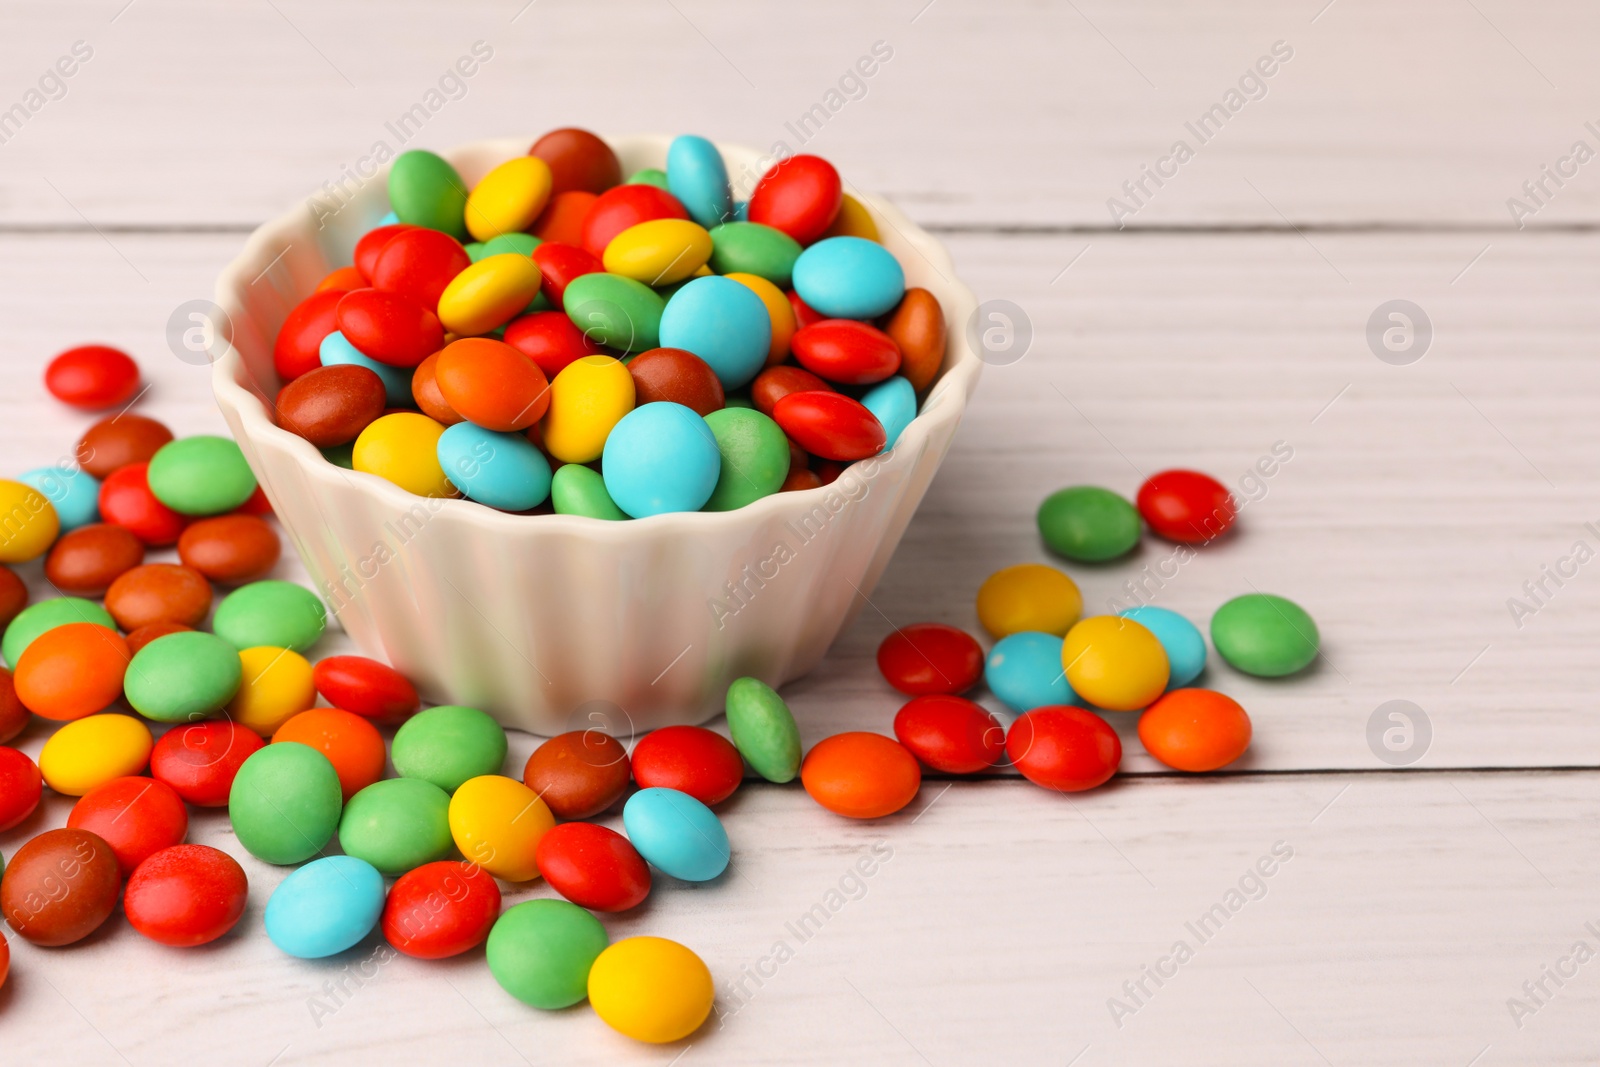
344 279
861 775
492 384
351 743
562 218
72 671
1195 730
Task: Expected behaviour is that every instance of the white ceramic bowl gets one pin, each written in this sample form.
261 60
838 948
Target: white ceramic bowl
548 621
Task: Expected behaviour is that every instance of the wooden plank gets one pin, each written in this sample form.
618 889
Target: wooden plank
1006 112
988 923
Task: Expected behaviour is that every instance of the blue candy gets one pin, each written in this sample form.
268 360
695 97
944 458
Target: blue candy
1184 645
74 493
849 278
741 211
661 457
697 176
722 322
677 833
336 351
894 402
325 907
1024 671
389 219
502 470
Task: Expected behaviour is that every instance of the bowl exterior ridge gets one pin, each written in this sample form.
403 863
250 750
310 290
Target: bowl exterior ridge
562 622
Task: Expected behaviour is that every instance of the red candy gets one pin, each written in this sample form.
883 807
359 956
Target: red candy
186 895
846 351
126 500
372 244
593 867
14 717
1064 748
930 657
830 425
440 909
199 760
690 759
92 377
20 787
550 339
1186 506
365 687
561 221
804 314
419 264
625 206
299 344
775 383
389 328
950 734
559 263
800 196
136 816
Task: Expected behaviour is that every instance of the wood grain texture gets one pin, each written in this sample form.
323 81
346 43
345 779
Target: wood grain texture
1411 112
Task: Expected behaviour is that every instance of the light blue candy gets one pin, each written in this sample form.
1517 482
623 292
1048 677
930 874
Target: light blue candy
697 176
894 402
676 833
722 322
75 494
661 457
849 278
325 907
1024 670
1184 645
502 470
336 351
388 219
741 211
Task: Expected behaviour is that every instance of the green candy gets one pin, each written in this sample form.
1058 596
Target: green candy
1265 635
521 244
577 490
280 614
615 311
752 248
1088 524
755 457
447 745
201 475
341 455
182 677
648 176
35 619
425 190
541 951
475 250
763 730
397 825
285 802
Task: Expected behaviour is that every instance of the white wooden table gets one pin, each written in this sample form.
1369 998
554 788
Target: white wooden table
1407 904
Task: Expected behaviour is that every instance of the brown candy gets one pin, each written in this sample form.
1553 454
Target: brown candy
675 375
425 391
159 592
60 887
775 383
330 406
917 326
118 441
13 716
13 596
578 160
142 636
87 560
579 774
230 549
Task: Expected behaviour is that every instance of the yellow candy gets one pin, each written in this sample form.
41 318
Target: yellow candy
651 989
489 293
509 198
659 252
274 687
497 823
1029 596
853 220
1114 663
92 751
779 310
403 448
588 397
28 522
